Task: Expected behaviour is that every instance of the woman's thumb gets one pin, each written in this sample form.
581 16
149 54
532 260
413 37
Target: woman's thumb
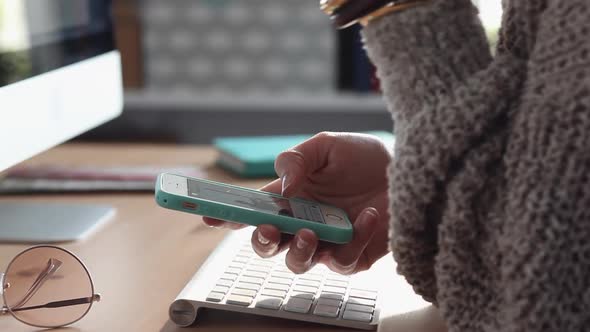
290 167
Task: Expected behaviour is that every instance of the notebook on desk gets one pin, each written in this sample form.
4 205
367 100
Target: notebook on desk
234 279
254 156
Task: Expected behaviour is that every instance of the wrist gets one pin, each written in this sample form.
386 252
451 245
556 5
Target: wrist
345 13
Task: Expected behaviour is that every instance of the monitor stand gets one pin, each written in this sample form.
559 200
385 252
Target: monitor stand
50 222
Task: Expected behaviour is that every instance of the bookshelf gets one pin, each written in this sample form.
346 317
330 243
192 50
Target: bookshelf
195 103
237 67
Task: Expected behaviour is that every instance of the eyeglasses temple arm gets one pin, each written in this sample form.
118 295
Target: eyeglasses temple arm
3 309
52 266
64 303
2 286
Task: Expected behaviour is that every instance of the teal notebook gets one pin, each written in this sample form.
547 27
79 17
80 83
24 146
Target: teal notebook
254 156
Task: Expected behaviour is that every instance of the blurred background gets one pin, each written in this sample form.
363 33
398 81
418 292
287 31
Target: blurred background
198 69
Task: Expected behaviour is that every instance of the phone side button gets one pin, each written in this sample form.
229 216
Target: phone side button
189 205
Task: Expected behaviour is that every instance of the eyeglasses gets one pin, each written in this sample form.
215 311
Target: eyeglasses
47 286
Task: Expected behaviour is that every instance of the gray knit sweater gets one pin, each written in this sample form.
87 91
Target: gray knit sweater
490 180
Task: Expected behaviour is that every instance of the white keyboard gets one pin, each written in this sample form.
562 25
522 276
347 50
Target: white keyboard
234 278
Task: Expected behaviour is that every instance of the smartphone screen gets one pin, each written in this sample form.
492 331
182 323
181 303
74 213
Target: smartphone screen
255 201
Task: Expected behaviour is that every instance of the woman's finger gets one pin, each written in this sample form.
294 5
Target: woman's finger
299 258
266 240
273 187
213 222
344 259
233 225
290 166
222 224
293 165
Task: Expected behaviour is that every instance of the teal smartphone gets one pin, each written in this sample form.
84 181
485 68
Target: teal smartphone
252 207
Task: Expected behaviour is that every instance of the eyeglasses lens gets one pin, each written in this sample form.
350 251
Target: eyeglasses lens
43 286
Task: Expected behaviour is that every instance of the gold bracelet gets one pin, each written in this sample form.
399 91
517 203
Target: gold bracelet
329 6
390 8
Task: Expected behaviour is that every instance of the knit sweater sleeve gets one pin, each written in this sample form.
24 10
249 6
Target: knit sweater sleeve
431 61
489 183
545 270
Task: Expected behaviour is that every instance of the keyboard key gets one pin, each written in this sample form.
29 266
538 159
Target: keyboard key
233 270
252 280
313 277
274 292
354 300
269 302
282 275
332 289
280 280
262 260
305 289
220 289
336 283
314 273
239 300
332 296
247 285
311 283
363 294
260 269
266 264
277 286
244 292
299 305
326 310
224 282
229 276
282 268
360 308
308 296
337 277
240 259
358 316
215 297
257 274
237 265
330 302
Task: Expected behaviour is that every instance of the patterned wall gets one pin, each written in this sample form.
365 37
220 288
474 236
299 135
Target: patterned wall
219 47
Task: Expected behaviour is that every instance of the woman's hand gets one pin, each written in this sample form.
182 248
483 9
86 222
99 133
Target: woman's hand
340 169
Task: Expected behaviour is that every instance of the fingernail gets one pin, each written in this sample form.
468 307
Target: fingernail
300 243
368 216
262 239
285 184
343 269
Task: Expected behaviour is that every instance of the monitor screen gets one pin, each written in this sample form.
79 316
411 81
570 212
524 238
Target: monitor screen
60 74
38 36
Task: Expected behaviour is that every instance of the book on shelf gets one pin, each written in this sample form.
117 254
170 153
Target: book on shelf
356 72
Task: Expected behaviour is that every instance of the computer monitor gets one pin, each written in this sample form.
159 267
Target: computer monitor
60 75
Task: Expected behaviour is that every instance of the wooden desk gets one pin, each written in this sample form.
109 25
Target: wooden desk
143 257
